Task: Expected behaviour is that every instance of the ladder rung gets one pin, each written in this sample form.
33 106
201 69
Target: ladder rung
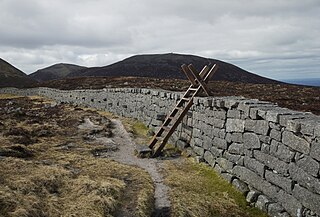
166 128
171 118
185 99
193 88
179 108
159 138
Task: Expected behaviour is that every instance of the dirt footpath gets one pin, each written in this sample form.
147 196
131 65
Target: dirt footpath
125 155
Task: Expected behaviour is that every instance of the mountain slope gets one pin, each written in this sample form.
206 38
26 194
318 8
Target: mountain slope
10 76
168 66
56 71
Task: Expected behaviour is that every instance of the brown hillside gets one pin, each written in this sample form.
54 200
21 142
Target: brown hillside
10 76
168 66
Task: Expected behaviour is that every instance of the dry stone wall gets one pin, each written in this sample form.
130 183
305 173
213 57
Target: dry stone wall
269 153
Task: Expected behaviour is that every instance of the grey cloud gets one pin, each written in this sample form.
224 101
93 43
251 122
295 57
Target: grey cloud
269 37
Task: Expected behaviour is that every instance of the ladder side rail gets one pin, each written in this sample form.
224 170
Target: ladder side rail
212 71
204 72
200 81
191 78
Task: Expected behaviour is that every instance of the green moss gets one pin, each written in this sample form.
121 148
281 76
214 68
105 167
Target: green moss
197 190
139 128
215 183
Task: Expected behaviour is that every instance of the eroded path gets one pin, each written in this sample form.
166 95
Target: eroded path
125 154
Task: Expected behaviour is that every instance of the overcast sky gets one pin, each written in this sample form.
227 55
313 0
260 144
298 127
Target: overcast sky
273 38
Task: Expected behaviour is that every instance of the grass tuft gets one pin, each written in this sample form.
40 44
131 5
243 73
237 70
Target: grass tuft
197 190
58 175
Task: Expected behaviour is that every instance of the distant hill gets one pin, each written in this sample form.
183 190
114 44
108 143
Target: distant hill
168 66
10 76
57 71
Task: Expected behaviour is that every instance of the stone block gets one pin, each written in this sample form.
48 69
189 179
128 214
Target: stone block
227 176
293 126
228 137
275 134
236 148
275 126
317 130
309 165
207 102
156 123
197 133
219 114
273 114
254 165
308 125
235 125
245 105
207 142
232 102
307 198
143 151
257 126
218 123
198 142
248 153
275 210
261 112
234 114
219 103
255 181
262 203
161 116
253 113
237 137
220 143
215 132
182 144
304 179
283 120
219 169
198 150
265 148
315 150
199 159
251 141
295 142
241 186
209 158
281 151
222 133
278 180
265 139
290 203
224 164
237 159
271 162
216 152
252 196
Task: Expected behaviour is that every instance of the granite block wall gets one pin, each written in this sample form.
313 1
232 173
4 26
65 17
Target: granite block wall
269 153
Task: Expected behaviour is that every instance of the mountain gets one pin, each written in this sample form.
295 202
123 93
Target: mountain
10 76
168 66
57 71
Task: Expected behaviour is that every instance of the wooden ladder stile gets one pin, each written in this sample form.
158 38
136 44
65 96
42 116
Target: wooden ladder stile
172 121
